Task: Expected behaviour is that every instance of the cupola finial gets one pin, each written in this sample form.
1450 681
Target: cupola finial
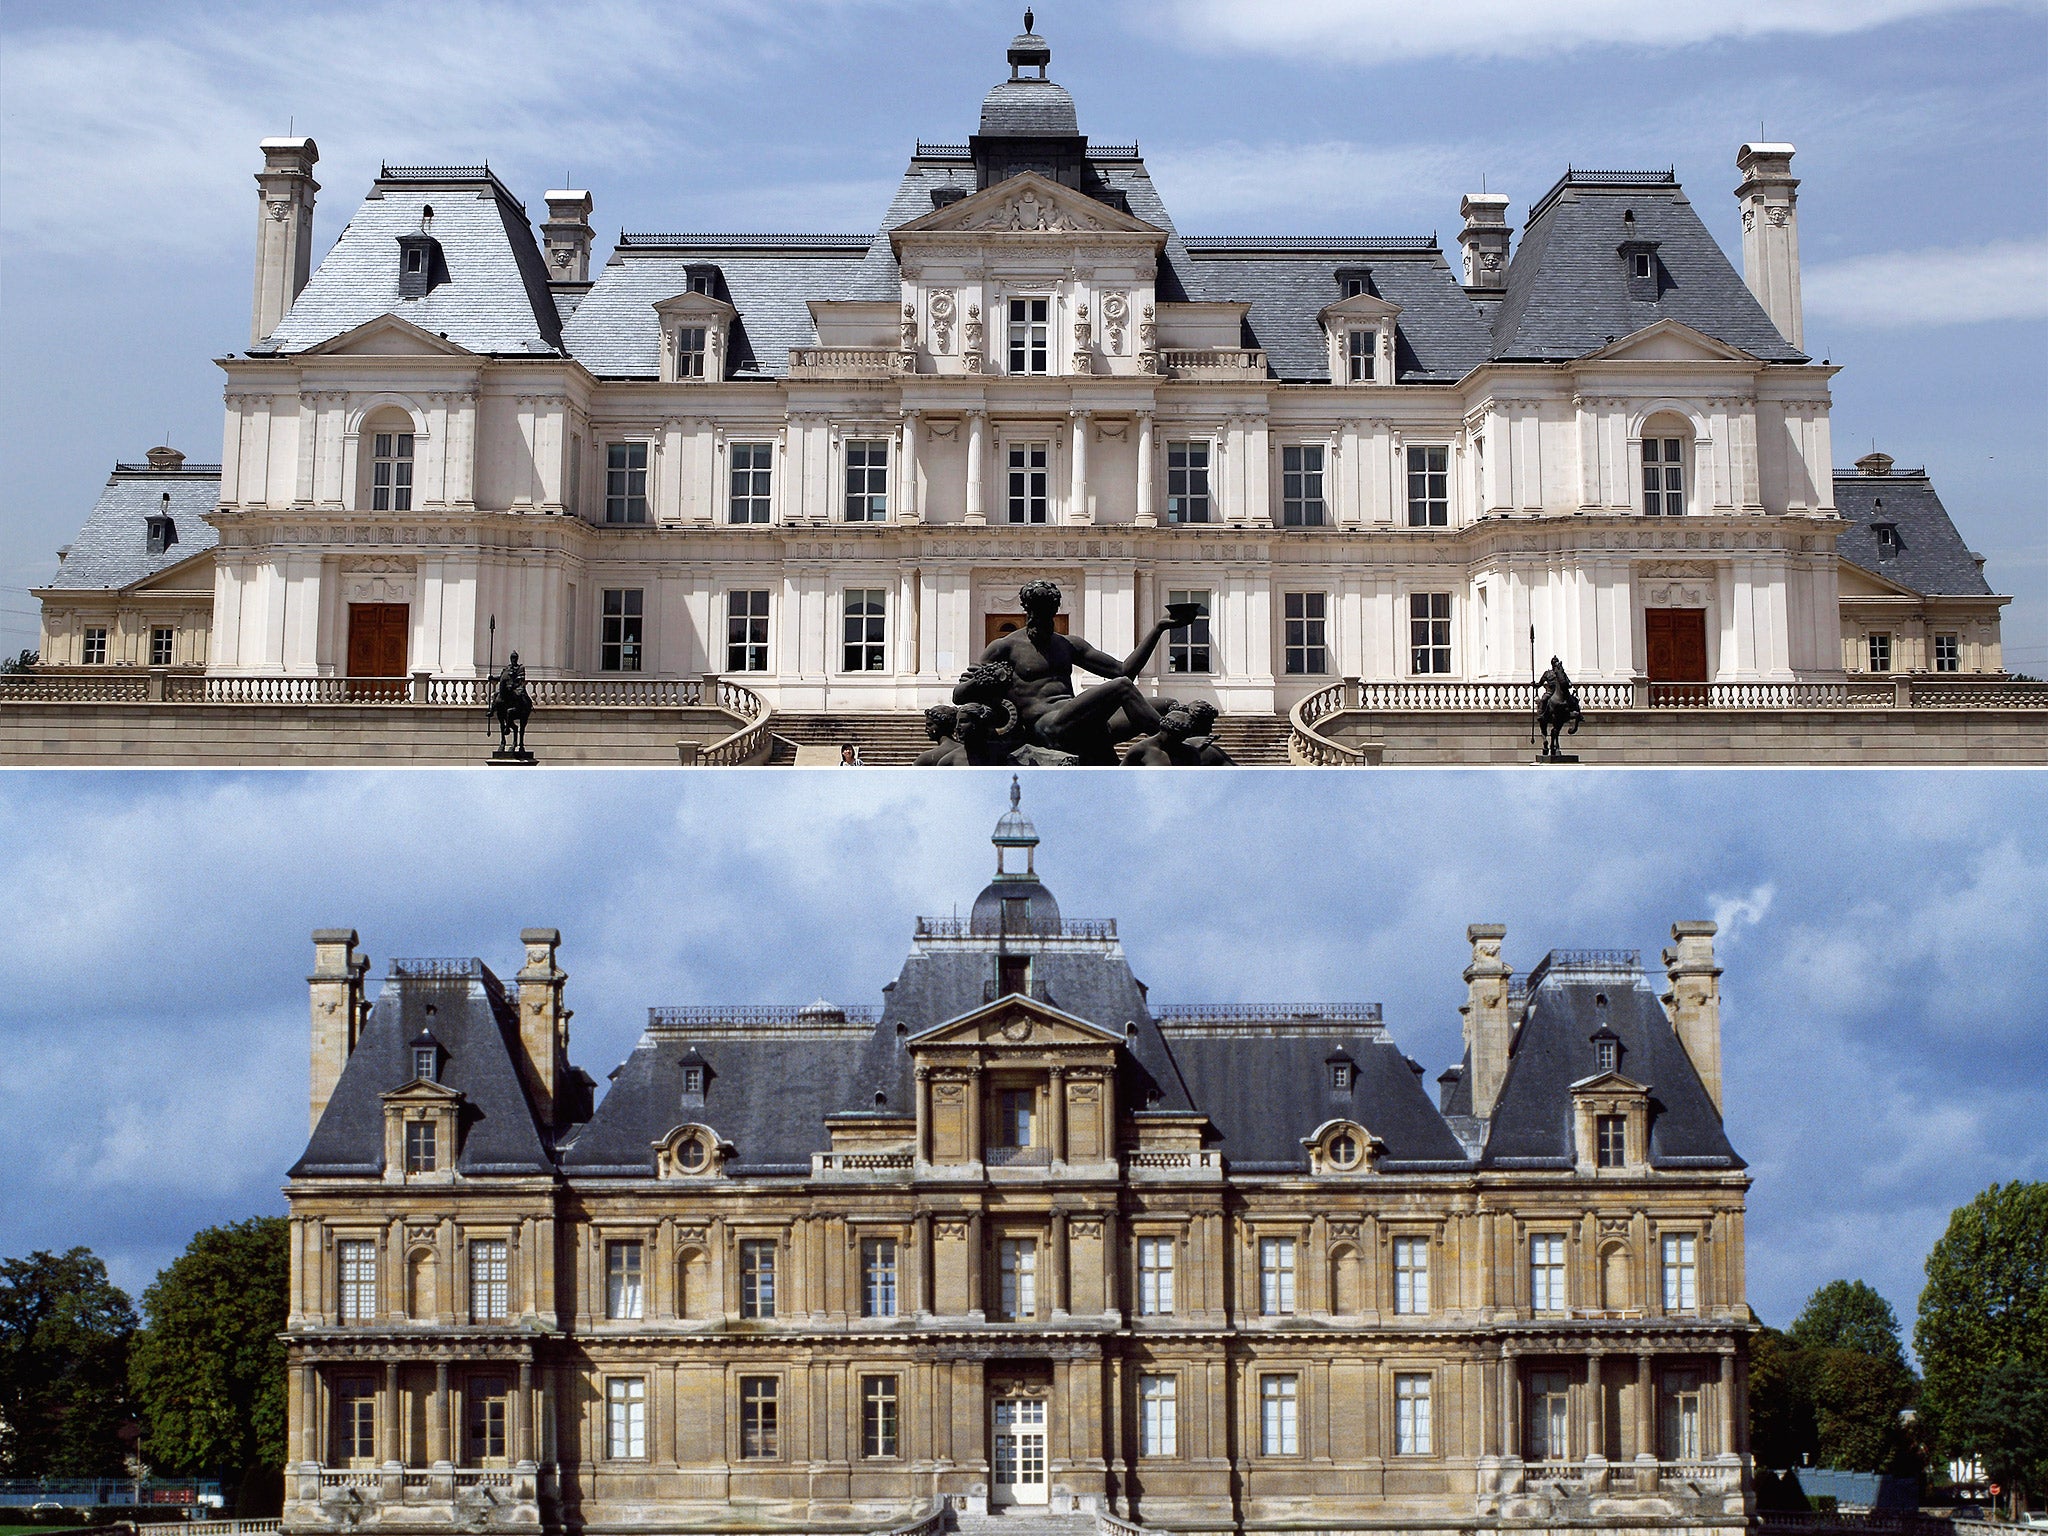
1028 51
1015 831
1027 18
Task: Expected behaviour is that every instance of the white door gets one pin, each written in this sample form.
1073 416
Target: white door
1018 1476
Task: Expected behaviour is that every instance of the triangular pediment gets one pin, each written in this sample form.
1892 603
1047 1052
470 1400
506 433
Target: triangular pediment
388 336
1017 1021
420 1091
1359 306
1611 1084
693 303
1027 204
1670 341
1853 580
192 574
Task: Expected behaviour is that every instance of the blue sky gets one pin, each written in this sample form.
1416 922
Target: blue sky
1881 935
128 133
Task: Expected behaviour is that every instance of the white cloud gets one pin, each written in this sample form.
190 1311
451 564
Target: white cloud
1393 31
1901 290
1735 913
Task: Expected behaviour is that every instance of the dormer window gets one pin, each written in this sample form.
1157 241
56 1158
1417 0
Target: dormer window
421 1150
1887 539
426 1063
1013 974
1352 281
1642 264
692 345
1611 1134
163 532
1344 1149
701 283
693 1079
1607 1054
1360 348
696 329
1340 1076
421 267
691 1154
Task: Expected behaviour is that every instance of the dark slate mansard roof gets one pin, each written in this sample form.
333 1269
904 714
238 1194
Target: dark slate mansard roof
1929 557
112 550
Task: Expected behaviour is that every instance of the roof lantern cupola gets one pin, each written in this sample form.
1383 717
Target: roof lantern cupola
1015 831
1028 123
1028 50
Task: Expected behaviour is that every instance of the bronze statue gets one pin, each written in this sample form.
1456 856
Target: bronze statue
1041 662
938 725
510 708
1202 741
1168 746
1557 707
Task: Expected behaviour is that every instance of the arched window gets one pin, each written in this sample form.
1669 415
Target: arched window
386 481
1667 460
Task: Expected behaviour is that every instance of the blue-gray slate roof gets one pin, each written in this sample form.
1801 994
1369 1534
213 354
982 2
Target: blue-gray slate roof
112 550
1927 555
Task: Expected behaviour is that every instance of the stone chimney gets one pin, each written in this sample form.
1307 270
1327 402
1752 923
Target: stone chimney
543 1021
1769 196
1489 1023
568 236
1875 465
338 1011
1485 240
284 230
1694 1001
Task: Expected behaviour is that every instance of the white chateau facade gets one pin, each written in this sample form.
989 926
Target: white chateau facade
822 465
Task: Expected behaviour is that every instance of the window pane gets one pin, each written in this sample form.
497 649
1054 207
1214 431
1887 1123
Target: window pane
625 483
863 620
1411 1415
757 1278
746 631
489 1280
1159 1430
878 1277
626 1417
751 481
1188 650
1028 497
1278 1403
759 1422
1301 485
623 1291
867 480
1305 633
1187 482
878 1416
357 1263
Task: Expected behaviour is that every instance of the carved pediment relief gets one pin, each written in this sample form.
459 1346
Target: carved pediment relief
1027 204
1017 1021
1360 306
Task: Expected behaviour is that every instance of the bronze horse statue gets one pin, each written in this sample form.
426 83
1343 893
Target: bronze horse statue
510 707
1557 707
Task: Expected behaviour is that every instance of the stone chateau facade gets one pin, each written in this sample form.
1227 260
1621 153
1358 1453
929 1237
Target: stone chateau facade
822 464
1018 1239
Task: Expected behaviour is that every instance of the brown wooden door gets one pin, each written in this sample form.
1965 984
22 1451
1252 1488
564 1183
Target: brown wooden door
997 625
1675 643
377 639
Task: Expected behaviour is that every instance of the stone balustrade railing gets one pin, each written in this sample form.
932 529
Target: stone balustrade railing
1213 362
861 1162
850 362
228 1527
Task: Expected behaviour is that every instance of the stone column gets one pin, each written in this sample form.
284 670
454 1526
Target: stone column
1148 516
522 1413
974 1152
977 433
920 1264
1646 1424
924 1116
308 1396
1059 1261
977 1301
1077 497
1510 1403
1597 1422
1056 1113
906 495
1726 1445
437 1421
390 1451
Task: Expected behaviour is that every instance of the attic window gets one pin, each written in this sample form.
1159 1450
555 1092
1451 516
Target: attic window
692 343
701 283
1352 281
416 260
693 1079
1642 263
1340 1076
1360 347
946 197
163 532
1887 539
1344 1150
421 1155
1013 975
1607 1054
691 1153
426 1065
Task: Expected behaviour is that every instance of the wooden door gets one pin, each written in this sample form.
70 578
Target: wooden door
1675 646
377 634
997 625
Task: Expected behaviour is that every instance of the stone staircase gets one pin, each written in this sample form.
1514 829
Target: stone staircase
1019 1521
894 738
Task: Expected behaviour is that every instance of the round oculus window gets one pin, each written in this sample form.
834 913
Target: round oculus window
1343 1149
692 1153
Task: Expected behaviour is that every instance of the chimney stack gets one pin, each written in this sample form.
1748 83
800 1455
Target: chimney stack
338 1012
1489 1024
284 230
543 1022
1694 1001
1485 240
568 235
1769 196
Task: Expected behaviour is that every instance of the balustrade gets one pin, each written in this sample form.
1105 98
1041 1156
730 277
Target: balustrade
1213 362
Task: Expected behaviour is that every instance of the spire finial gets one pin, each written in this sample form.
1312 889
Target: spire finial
1027 18
1016 790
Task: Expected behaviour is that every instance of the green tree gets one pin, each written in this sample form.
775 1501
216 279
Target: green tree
1982 1333
1857 1399
1782 1432
1847 1314
208 1368
64 1334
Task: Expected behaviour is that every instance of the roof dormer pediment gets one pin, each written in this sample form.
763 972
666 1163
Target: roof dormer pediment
421 1093
1610 1085
1027 205
694 305
388 336
1016 1021
1359 306
1669 341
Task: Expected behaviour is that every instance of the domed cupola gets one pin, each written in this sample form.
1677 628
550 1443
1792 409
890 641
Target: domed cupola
1028 122
1014 902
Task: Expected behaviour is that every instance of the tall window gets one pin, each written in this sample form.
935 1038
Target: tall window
162 638
1948 653
864 619
1546 1274
1030 335
1360 350
1155 1276
878 1416
878 1277
1411 1415
1016 1107
1307 632
391 472
760 1430
94 652
420 1151
1158 1416
690 350
1606 1055
1663 477
1681 1273
1549 1416
1279 1415
752 480
1276 1276
1429 486
1187 482
757 1278
625 483
1187 650
487 1404
1301 485
867 480
746 631
1429 632
356 1422
1679 1430
625 1435
622 1294
1611 1132
356 1261
1879 651
1017 1273
1411 1275
1028 482
619 645
490 1280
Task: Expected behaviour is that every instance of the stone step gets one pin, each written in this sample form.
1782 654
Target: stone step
894 738
1021 1521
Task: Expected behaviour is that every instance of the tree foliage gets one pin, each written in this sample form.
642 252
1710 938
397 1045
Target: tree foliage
64 1336
1982 1334
1847 1314
208 1368
1830 1389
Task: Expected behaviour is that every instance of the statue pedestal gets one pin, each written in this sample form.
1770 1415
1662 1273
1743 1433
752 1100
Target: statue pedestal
504 759
1546 760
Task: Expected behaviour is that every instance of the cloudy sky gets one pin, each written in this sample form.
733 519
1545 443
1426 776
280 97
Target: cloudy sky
1881 935
128 133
